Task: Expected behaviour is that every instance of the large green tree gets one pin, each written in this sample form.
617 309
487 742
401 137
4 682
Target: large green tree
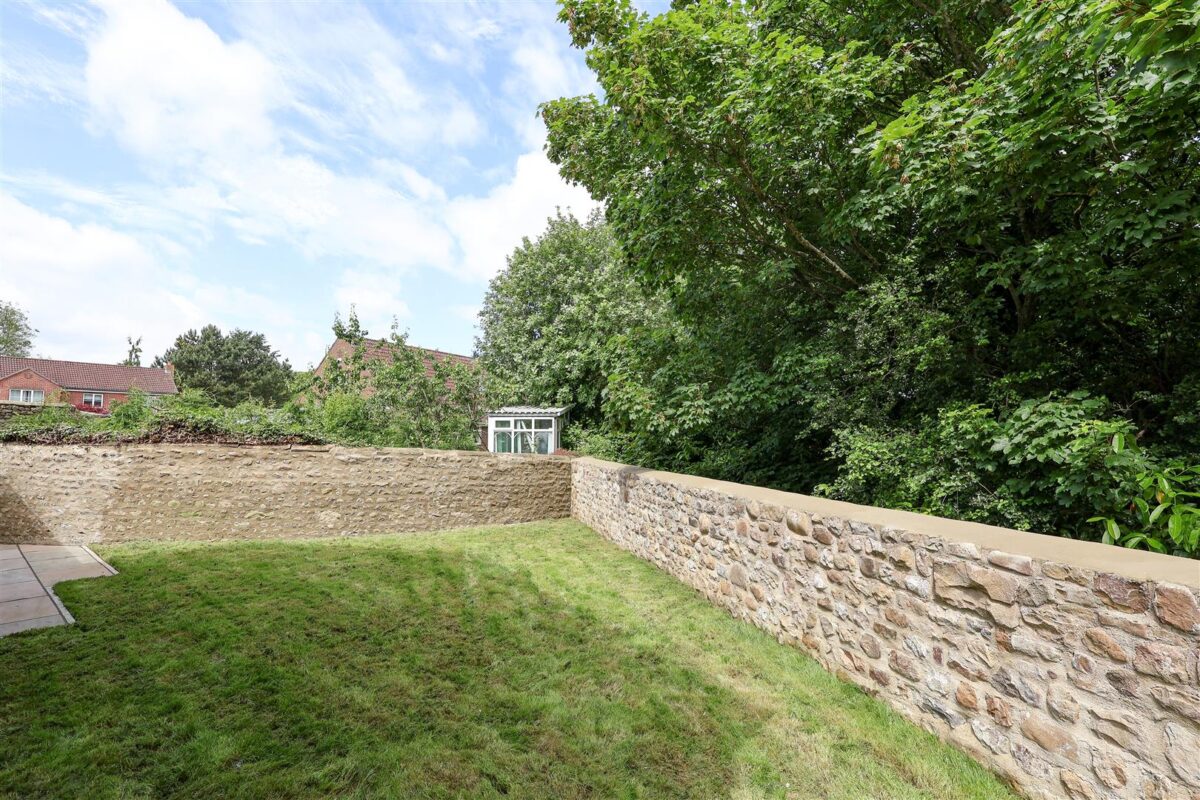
16 334
230 368
548 317
887 226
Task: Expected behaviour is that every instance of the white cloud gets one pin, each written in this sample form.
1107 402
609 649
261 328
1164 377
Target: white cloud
355 80
315 128
401 174
375 297
179 216
75 21
31 77
543 68
208 106
489 228
87 287
169 88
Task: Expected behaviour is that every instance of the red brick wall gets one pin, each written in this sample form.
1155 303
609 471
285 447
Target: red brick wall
339 349
28 379
76 399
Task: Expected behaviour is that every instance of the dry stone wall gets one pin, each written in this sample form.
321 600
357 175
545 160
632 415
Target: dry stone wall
23 409
1070 668
89 494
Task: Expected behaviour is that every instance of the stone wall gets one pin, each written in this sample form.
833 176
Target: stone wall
8 409
1070 668
89 494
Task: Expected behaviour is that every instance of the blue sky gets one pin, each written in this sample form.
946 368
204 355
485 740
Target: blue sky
263 165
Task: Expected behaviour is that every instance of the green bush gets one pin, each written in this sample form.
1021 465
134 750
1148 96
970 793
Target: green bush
1164 513
384 403
190 415
343 416
1057 464
132 413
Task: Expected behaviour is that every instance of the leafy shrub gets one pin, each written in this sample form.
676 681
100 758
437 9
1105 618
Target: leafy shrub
189 416
343 417
1164 514
132 413
401 400
595 442
1048 465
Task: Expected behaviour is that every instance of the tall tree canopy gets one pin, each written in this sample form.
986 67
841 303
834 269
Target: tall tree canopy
547 319
16 334
230 368
902 239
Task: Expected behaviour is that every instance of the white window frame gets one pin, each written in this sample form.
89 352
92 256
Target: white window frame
27 396
97 399
523 432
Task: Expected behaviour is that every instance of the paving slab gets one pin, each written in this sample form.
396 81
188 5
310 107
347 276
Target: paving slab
51 575
28 608
21 590
27 574
16 575
57 555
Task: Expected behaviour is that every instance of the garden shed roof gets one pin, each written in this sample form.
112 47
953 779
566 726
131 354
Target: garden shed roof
529 411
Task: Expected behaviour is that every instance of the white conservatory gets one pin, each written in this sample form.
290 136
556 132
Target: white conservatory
525 429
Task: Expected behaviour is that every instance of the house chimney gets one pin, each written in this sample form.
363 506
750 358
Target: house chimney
170 368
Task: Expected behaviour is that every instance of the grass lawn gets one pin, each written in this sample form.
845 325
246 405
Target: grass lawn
531 661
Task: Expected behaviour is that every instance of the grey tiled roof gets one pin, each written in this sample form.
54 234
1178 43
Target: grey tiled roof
534 411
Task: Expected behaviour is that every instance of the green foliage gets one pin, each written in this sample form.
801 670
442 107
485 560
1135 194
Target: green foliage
230 368
132 413
547 319
16 334
344 417
406 398
932 260
396 402
189 416
1164 514
133 358
1047 465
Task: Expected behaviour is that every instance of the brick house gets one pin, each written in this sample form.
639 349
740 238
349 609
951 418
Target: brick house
379 350
90 387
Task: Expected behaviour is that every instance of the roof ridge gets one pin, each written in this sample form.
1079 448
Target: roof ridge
368 340
92 375
84 363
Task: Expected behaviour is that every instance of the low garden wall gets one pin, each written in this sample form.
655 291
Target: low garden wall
88 494
1068 667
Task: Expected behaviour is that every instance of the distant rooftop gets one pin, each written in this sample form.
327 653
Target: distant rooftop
97 377
532 411
381 350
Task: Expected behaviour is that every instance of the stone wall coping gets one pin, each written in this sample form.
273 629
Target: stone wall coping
1135 564
312 448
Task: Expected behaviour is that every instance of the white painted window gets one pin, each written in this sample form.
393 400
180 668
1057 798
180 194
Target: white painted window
93 400
523 435
26 396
